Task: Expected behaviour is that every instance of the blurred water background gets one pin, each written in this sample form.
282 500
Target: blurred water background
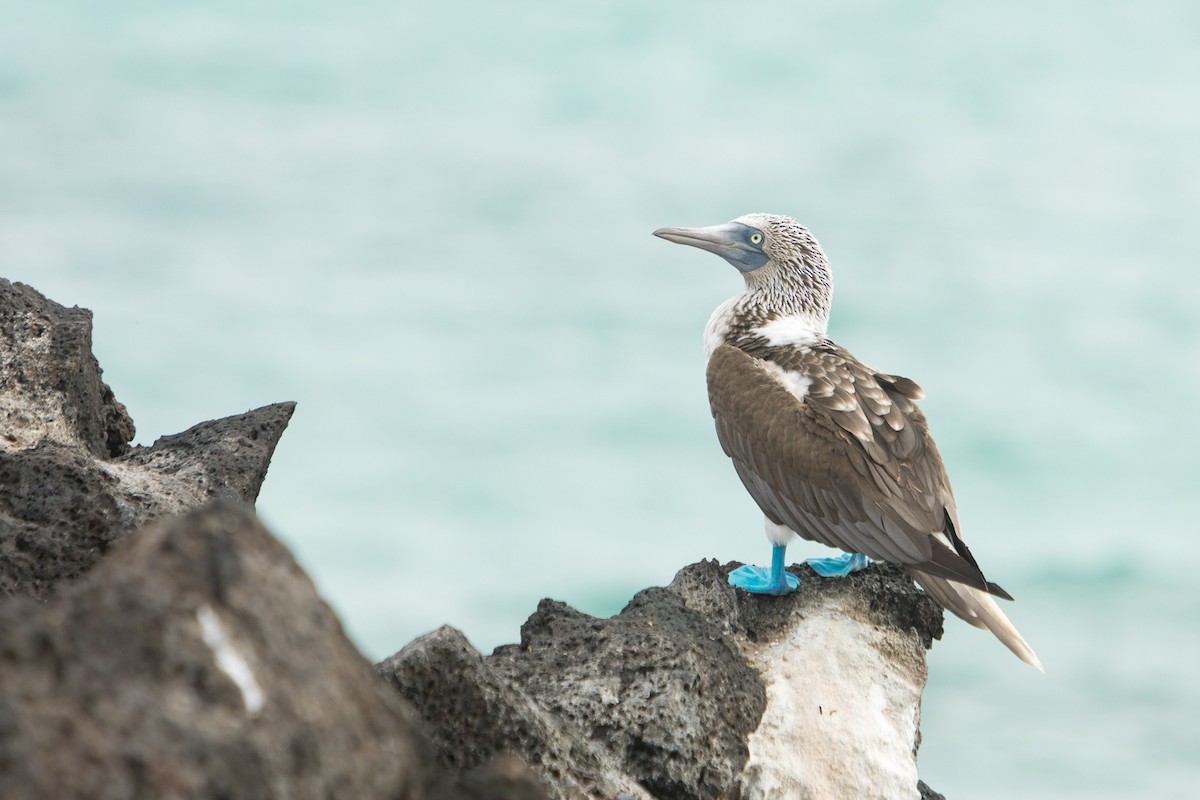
429 225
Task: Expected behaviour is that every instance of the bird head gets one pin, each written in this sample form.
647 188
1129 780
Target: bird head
775 254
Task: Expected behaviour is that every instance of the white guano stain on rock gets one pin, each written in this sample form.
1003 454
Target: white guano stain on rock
229 659
841 718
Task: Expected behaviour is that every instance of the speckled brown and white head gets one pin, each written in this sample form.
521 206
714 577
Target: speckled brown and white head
789 287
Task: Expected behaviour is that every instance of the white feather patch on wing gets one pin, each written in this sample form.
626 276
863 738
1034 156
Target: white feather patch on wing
796 383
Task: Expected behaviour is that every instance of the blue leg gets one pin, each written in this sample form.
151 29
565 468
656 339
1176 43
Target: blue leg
838 566
760 580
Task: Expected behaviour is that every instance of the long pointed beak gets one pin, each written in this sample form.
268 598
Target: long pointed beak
714 239
730 241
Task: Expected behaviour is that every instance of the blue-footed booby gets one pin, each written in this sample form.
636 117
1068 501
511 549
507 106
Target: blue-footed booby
830 449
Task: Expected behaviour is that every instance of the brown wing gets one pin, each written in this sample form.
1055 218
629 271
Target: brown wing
851 466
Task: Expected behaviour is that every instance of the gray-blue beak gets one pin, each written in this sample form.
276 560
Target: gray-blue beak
730 241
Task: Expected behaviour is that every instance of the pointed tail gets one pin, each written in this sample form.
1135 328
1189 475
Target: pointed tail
977 608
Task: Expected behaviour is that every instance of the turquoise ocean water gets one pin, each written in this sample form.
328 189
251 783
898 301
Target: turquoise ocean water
429 225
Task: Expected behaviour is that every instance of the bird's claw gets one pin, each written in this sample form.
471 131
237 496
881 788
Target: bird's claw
758 580
838 566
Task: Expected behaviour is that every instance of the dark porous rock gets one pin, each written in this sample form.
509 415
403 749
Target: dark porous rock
225 457
506 778
474 714
50 386
658 685
70 485
929 794
197 661
694 690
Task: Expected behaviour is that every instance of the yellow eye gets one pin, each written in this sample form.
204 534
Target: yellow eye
756 238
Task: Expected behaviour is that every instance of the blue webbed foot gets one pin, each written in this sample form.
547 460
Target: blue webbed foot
838 566
761 580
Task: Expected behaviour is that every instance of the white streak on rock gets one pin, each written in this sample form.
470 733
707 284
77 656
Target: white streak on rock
843 709
229 659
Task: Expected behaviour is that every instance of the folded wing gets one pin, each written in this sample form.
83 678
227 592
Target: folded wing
849 463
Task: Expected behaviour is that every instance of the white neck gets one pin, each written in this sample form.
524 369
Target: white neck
794 327
798 330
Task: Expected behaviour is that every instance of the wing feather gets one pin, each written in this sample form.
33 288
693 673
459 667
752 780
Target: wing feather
850 465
